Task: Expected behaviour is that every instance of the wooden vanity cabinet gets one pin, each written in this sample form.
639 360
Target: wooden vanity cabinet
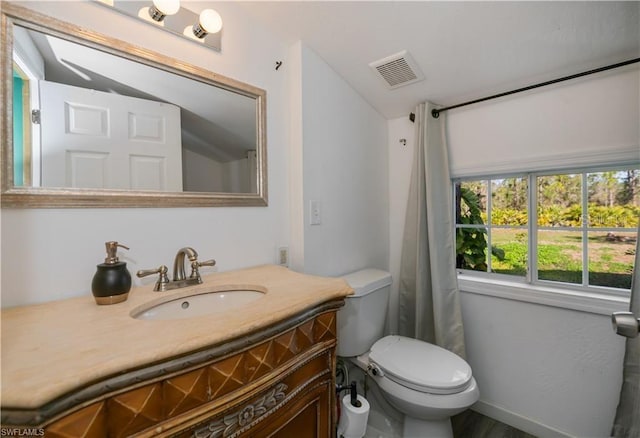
277 382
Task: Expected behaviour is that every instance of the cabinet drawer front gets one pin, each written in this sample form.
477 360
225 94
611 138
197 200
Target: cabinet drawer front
307 385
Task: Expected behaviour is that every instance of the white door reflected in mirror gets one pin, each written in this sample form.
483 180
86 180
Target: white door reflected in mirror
92 139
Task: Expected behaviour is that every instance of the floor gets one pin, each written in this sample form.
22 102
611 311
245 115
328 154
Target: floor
470 424
385 422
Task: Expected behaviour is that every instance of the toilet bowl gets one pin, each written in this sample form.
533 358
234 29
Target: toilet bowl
426 383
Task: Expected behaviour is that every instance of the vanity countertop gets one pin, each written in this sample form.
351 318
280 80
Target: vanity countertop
53 348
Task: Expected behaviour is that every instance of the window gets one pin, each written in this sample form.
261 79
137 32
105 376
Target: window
571 228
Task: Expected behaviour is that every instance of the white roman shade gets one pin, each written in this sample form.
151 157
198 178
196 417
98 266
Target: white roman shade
584 122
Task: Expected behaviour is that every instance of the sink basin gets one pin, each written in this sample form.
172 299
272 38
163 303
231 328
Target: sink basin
198 304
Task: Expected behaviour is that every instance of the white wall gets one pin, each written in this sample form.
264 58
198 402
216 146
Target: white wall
400 165
547 370
51 254
295 157
204 175
543 369
344 160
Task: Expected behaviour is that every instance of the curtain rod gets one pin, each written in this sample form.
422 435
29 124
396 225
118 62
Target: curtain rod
436 112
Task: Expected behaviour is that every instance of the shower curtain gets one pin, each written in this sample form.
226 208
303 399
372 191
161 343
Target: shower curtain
627 421
429 299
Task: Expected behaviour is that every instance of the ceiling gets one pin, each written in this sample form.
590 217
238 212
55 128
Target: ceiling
466 50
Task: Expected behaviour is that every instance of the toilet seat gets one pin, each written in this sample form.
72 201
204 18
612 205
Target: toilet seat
420 366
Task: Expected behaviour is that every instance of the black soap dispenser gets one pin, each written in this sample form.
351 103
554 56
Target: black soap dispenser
112 281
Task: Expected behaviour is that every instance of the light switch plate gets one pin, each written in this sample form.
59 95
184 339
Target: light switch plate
315 213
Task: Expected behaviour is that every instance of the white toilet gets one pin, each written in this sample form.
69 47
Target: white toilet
427 383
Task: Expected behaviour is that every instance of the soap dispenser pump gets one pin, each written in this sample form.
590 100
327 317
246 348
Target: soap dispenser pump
112 281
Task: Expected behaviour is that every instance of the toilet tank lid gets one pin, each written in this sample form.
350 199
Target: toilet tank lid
367 280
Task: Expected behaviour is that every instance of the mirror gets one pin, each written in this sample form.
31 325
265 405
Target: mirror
90 121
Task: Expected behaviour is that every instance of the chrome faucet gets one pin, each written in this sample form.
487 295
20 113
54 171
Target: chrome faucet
179 276
178 262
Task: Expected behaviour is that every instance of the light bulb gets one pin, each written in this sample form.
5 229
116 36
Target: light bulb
162 8
209 22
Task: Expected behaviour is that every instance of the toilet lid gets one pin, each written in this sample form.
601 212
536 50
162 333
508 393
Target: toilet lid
421 366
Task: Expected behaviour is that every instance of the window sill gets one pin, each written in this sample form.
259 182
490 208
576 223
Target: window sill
591 302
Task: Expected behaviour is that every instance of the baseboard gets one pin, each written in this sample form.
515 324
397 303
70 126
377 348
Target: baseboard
525 424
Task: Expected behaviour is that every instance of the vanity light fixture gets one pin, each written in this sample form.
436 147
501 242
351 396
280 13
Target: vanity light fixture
209 21
204 28
162 8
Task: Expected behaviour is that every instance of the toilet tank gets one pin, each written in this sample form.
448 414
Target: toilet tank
361 320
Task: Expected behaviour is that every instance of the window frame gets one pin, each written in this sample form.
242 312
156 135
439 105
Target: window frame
532 228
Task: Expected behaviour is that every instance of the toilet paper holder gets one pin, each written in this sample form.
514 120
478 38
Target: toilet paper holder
352 388
353 412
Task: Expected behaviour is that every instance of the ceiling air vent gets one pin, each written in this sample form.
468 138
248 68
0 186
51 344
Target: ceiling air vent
397 70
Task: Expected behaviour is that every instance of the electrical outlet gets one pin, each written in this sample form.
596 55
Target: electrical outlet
283 256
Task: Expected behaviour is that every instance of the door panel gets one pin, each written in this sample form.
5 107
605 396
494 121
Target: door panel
87 169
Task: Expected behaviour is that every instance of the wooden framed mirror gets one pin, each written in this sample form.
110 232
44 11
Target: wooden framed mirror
91 121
